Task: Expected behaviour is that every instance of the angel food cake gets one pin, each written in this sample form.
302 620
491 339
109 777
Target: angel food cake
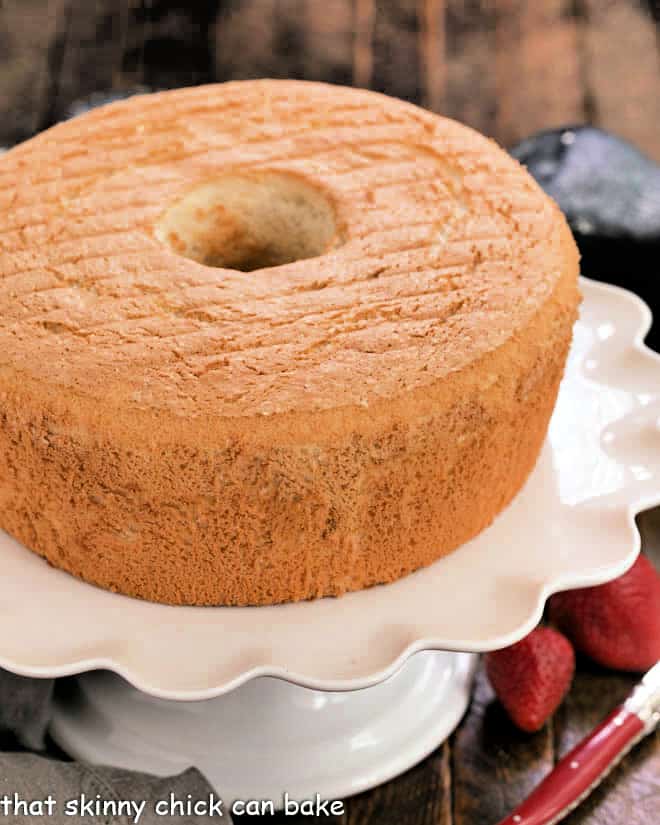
270 340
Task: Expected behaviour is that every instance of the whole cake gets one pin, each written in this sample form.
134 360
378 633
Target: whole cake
270 340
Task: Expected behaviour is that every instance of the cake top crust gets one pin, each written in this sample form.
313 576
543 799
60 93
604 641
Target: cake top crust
264 247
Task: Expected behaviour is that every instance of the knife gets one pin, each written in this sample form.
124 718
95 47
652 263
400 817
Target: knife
583 768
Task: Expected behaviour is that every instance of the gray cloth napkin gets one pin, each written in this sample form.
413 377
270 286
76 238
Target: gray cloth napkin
28 777
25 708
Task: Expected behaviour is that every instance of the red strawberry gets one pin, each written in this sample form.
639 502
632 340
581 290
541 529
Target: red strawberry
617 624
532 677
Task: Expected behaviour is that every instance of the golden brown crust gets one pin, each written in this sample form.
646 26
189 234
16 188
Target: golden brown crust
199 435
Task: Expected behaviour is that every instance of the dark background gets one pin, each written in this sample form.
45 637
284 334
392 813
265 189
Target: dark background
506 67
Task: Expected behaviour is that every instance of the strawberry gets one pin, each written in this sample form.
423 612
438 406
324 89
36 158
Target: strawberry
532 677
616 624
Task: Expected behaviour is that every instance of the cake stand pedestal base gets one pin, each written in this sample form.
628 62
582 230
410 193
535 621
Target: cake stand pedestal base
269 736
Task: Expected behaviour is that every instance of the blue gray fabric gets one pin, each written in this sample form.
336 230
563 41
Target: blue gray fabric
76 791
28 777
25 709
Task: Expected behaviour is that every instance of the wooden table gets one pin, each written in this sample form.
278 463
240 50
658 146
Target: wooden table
507 67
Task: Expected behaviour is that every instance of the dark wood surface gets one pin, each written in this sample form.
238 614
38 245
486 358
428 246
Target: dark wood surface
507 67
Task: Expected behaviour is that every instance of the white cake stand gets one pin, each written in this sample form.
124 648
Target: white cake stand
326 696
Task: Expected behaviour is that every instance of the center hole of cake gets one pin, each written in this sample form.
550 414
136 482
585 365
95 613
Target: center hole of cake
248 222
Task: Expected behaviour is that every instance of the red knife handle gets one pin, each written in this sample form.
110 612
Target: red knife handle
579 771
